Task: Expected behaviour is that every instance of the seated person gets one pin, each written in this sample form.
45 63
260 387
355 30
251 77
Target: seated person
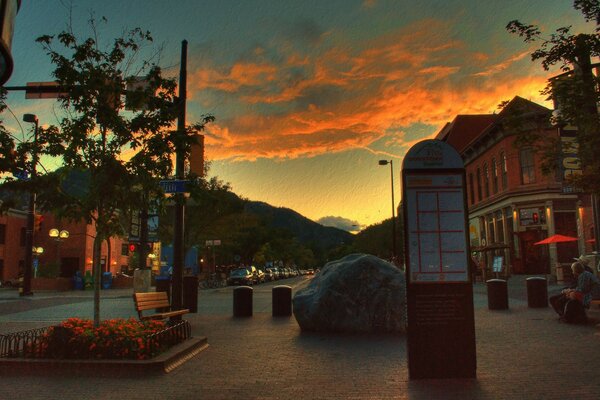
586 284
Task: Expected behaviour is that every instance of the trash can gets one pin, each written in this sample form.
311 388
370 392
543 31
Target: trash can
106 280
537 292
497 294
190 293
163 284
88 280
242 301
78 281
282 301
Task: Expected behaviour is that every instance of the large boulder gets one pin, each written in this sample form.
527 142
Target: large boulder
359 293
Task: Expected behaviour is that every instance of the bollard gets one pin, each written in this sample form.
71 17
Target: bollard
537 292
497 294
282 301
242 301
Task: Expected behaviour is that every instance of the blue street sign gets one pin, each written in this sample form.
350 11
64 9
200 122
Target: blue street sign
174 186
22 175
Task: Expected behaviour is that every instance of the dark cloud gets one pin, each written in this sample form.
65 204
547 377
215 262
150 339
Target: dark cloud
340 223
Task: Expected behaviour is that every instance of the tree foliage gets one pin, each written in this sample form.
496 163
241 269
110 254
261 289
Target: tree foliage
575 92
112 157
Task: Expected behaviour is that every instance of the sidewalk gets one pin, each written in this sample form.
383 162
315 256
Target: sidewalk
522 353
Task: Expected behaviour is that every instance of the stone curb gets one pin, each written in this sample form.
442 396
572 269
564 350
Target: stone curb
163 363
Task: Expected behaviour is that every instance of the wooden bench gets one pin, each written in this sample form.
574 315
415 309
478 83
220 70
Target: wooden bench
152 300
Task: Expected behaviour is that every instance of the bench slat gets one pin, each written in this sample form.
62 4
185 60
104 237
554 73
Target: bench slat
152 300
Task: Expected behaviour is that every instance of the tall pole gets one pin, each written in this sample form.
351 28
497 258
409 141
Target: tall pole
391 162
178 251
26 290
393 214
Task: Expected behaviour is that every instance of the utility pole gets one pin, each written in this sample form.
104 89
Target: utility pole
178 250
26 289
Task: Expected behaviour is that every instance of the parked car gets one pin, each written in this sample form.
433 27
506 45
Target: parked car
261 276
240 276
271 274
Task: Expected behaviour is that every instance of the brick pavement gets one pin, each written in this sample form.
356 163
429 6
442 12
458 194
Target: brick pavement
522 353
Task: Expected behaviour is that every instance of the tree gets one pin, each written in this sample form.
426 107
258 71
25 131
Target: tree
575 91
100 139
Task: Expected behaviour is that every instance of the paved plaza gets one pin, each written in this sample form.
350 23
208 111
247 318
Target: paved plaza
522 353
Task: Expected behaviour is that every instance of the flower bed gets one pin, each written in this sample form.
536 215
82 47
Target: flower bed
114 339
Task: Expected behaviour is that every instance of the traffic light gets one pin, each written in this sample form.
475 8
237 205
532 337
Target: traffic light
132 247
37 222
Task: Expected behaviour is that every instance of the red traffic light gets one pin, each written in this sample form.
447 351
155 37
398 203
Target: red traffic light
131 247
37 222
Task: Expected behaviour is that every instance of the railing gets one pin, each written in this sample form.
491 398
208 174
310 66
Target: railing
18 343
33 343
174 334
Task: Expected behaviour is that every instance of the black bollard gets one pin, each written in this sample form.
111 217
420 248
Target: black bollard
537 292
282 301
497 294
242 301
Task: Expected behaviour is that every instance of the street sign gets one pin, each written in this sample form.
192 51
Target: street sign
174 185
21 175
43 90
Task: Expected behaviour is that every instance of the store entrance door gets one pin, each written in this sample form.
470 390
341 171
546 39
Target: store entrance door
535 258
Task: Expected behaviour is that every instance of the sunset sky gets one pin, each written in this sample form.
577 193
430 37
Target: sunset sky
309 95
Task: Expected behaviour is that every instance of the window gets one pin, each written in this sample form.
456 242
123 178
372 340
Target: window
471 188
478 184
124 249
494 176
504 170
2 233
527 166
486 180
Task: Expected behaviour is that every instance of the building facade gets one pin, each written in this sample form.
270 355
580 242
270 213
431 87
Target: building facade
512 203
68 255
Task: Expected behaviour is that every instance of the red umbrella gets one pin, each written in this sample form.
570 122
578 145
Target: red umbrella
557 239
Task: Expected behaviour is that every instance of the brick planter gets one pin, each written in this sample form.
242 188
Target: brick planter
122 282
56 284
163 363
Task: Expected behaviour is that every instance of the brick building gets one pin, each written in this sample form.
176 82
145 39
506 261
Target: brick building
71 254
512 204
12 243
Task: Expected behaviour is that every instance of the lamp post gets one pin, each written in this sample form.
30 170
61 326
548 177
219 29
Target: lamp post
37 252
386 162
26 289
58 237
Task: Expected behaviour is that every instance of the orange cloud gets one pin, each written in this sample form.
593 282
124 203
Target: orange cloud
302 104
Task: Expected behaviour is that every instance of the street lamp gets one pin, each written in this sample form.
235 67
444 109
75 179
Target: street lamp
58 237
31 118
386 162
